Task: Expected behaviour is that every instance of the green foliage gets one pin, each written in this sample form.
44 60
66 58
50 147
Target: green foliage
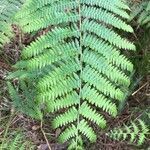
23 101
8 9
142 60
77 64
16 141
136 133
142 12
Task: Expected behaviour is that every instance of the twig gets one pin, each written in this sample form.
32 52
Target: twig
139 89
45 136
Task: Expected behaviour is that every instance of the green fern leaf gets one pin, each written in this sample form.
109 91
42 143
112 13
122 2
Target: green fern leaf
84 70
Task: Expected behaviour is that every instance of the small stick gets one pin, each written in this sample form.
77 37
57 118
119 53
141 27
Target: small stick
45 136
140 88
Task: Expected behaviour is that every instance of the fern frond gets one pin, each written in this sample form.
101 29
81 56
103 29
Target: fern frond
81 54
135 133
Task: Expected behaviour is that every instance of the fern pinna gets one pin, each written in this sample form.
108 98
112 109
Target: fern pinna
78 65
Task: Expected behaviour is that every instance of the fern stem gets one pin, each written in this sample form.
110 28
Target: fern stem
81 70
49 147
